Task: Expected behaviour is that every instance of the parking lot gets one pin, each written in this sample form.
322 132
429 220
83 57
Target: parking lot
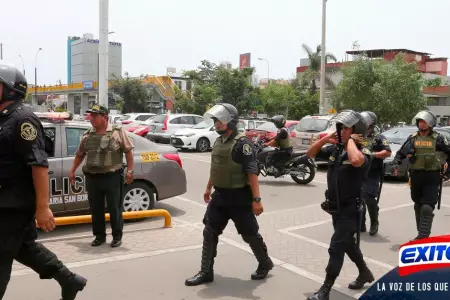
154 261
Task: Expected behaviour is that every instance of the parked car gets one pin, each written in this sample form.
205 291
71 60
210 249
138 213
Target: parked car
397 137
311 128
268 130
250 123
142 128
158 171
163 126
134 118
113 119
200 137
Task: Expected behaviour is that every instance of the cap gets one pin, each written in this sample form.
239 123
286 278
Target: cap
98 109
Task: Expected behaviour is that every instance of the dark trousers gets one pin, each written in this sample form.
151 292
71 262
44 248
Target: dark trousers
18 236
343 242
107 186
425 187
371 188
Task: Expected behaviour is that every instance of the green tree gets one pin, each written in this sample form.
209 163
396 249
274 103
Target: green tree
134 93
311 76
433 82
392 90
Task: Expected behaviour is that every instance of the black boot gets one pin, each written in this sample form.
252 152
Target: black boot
70 283
365 276
417 215
374 223
209 251
324 292
426 221
259 249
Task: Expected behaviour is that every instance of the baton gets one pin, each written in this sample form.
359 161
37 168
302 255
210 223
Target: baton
440 195
381 183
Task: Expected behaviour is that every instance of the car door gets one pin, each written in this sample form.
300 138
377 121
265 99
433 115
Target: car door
55 169
75 197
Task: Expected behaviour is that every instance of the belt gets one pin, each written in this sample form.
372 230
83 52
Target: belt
103 174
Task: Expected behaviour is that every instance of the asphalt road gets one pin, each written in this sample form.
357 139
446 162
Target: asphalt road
153 262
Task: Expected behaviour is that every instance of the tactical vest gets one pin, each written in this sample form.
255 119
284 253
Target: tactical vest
225 173
285 143
426 158
103 152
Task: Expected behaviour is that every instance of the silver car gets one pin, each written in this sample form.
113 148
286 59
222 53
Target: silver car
163 126
311 128
158 171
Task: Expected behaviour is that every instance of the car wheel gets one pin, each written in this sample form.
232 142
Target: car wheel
203 145
138 196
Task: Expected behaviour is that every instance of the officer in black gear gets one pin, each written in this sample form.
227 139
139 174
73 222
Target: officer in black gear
283 143
24 189
234 176
379 148
427 151
349 162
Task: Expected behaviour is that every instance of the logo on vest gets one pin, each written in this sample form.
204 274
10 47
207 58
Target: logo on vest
427 144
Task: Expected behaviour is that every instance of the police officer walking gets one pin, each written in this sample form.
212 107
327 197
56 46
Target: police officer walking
425 149
348 163
24 189
379 148
283 143
104 145
234 176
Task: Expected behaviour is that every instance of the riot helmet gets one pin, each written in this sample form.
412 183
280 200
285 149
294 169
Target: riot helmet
369 117
350 119
225 113
13 81
427 116
279 121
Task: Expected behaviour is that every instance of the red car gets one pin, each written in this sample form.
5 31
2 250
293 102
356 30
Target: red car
268 130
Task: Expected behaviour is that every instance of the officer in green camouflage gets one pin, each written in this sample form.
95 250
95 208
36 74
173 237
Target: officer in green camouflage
426 150
104 145
234 176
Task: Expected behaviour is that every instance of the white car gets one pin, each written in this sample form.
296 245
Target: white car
201 137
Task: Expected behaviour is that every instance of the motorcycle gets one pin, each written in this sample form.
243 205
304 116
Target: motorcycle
300 167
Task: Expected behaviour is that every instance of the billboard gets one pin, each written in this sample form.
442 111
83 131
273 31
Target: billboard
244 60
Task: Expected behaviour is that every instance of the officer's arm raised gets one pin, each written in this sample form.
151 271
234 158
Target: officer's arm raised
316 147
355 156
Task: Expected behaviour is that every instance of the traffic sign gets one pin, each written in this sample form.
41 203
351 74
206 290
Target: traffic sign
332 111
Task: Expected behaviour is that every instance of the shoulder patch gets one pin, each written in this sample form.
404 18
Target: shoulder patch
247 149
414 134
28 131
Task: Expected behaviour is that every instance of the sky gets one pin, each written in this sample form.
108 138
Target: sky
179 33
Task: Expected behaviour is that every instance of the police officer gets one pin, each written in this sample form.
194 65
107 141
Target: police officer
424 149
283 143
348 161
104 145
24 189
379 148
234 176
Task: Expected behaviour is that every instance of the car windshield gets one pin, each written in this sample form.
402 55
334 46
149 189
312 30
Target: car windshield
159 118
204 124
398 135
124 117
312 125
268 126
148 121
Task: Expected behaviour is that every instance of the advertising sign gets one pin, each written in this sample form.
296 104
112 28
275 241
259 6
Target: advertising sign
244 60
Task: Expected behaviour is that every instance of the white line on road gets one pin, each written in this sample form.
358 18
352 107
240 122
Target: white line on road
203 205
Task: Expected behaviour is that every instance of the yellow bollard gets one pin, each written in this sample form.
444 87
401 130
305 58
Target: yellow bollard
61 221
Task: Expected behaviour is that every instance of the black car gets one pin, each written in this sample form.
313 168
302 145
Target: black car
396 137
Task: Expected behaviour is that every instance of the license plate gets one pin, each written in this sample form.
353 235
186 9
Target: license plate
149 156
306 142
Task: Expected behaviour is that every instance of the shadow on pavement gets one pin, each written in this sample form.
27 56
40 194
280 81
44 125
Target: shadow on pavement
286 183
231 287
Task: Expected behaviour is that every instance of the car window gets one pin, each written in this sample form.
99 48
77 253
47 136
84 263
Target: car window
198 119
159 118
125 117
188 120
251 125
398 135
143 117
176 121
268 126
290 128
73 137
312 125
50 141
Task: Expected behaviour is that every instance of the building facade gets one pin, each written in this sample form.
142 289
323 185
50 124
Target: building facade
82 59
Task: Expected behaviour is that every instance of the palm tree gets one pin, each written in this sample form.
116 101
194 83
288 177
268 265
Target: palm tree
312 74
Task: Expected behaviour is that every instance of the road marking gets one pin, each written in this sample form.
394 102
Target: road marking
195 159
203 205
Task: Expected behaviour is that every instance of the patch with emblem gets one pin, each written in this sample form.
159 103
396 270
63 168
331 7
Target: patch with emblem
28 132
247 149
385 142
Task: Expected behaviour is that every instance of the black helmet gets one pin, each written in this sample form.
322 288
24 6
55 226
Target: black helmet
279 121
369 117
225 113
13 81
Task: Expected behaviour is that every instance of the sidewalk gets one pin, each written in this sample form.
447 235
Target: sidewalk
161 276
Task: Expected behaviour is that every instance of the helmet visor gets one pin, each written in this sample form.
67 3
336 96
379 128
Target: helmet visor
7 74
220 113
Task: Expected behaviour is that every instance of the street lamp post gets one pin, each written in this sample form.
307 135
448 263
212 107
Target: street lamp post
268 69
103 53
322 58
35 76
23 65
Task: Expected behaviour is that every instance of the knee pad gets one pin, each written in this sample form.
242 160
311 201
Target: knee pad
426 209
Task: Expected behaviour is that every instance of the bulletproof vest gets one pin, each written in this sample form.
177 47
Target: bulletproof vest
425 157
103 152
225 173
285 143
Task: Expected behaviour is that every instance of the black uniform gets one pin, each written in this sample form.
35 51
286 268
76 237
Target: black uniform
371 186
424 184
234 204
23 146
